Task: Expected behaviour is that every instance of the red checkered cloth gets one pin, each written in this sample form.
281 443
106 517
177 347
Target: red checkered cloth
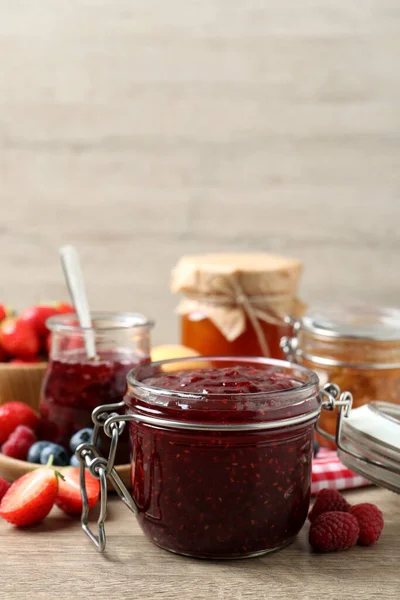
329 472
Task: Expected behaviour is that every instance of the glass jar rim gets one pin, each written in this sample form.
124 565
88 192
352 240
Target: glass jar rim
112 320
310 385
362 322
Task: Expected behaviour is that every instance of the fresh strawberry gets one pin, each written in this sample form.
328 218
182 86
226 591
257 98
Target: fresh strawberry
19 442
26 361
64 308
30 499
4 486
13 414
36 317
5 312
19 338
69 492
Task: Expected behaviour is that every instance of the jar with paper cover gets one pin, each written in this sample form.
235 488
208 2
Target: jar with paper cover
237 304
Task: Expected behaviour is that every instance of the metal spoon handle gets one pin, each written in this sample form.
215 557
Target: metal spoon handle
76 286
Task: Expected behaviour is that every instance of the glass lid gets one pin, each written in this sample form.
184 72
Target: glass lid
354 321
370 443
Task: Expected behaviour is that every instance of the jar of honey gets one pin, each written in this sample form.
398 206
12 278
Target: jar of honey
356 347
237 304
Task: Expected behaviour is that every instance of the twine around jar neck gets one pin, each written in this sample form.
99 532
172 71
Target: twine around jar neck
250 305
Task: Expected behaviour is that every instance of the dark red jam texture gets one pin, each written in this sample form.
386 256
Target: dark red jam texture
220 494
73 388
242 379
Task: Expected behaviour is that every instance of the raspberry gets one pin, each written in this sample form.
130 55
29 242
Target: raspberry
4 485
328 501
370 521
333 531
19 442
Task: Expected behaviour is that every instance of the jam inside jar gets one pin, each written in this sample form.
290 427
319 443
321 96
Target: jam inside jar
200 333
74 384
221 453
357 347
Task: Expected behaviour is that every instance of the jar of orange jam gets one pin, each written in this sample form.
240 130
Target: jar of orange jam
237 304
357 347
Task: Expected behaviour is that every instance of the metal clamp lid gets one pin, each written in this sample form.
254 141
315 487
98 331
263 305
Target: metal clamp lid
102 468
378 470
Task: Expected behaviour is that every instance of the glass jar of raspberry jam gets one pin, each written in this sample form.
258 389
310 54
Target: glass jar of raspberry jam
356 347
74 384
221 453
237 304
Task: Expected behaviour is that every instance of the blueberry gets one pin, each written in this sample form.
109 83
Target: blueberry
74 462
35 450
83 436
60 455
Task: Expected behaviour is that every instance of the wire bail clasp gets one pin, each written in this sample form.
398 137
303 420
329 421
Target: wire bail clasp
290 344
333 398
102 469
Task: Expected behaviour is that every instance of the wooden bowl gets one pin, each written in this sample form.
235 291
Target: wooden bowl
23 383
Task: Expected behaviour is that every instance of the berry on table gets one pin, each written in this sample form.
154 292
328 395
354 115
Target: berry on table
69 497
19 442
83 436
35 451
326 501
333 531
370 521
60 455
13 414
4 486
30 499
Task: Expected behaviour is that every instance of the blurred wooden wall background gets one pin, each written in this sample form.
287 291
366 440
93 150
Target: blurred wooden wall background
140 130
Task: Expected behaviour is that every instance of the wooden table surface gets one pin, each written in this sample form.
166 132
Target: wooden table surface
55 560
